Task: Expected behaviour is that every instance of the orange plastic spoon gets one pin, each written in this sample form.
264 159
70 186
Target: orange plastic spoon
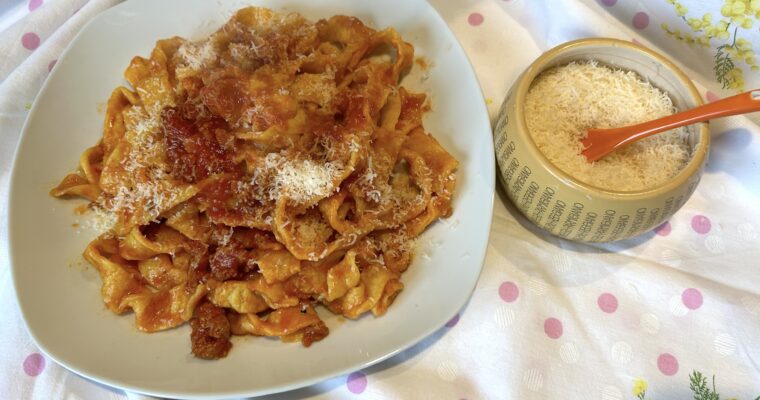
601 142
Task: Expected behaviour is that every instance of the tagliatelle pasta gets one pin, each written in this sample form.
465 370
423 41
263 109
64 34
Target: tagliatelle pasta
244 179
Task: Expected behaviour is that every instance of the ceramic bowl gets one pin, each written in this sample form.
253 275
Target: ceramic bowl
567 207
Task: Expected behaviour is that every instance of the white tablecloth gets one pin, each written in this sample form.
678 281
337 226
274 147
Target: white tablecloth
549 318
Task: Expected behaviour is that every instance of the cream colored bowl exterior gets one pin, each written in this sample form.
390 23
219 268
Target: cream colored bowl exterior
565 207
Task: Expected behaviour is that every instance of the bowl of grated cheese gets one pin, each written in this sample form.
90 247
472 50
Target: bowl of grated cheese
598 83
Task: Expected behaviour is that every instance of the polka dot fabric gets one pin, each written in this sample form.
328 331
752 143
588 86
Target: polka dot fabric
664 229
356 382
607 303
30 40
667 364
508 291
475 19
640 20
548 318
34 4
34 364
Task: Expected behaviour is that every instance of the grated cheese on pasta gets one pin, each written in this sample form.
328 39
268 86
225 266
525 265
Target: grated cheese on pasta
565 101
300 180
197 55
101 220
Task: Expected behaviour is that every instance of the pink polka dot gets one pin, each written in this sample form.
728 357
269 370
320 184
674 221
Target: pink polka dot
640 20
453 321
667 364
664 229
30 41
711 96
34 364
475 19
34 4
692 298
51 65
508 291
701 224
607 302
609 3
553 328
356 382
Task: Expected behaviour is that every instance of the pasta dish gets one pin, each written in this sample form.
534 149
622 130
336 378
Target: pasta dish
245 179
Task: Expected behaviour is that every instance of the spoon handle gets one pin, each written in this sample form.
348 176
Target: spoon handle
740 104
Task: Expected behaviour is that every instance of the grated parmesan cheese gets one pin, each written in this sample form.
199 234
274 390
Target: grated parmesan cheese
149 195
144 189
101 220
197 55
299 180
145 122
565 101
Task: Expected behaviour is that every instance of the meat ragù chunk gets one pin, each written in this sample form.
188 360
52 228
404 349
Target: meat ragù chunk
210 335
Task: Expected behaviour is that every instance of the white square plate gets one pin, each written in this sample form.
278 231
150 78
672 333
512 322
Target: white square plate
60 297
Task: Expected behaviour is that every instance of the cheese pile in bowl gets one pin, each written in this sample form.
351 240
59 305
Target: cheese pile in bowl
565 101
